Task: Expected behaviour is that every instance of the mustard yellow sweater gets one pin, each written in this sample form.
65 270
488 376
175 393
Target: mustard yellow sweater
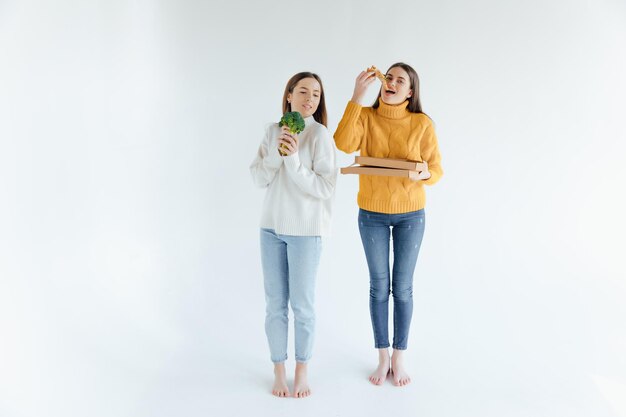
390 132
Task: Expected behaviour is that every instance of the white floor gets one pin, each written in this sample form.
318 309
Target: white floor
197 353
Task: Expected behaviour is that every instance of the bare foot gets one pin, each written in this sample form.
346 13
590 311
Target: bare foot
300 385
380 374
400 377
280 388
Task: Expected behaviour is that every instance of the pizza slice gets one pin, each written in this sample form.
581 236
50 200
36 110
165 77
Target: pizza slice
378 75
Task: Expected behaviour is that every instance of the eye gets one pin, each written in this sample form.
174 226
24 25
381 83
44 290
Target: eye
400 81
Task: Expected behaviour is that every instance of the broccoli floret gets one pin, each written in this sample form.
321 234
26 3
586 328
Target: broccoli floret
293 120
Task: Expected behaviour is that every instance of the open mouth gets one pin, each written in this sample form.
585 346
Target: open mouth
390 92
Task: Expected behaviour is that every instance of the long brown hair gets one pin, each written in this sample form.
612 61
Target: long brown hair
320 113
415 105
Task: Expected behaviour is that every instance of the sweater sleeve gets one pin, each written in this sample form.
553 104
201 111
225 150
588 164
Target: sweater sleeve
267 161
430 154
319 181
350 131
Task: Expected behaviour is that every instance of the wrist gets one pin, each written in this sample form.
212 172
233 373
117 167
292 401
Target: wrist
356 98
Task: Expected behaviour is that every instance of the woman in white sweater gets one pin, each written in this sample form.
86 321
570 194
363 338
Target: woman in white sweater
296 214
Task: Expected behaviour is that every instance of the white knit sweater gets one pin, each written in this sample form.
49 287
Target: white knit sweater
300 187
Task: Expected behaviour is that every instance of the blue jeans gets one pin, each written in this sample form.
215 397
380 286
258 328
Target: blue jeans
407 230
289 269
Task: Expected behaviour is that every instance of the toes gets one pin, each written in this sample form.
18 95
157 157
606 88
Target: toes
302 394
402 382
280 393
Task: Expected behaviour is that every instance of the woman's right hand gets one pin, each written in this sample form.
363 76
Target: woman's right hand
287 142
363 81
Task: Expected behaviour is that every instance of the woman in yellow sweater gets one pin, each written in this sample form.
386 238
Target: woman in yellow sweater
391 207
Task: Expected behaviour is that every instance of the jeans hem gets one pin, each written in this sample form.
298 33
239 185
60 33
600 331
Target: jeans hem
396 347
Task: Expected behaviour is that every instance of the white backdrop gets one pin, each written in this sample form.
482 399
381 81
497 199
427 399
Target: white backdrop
130 280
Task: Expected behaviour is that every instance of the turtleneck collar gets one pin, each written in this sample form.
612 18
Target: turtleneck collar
392 112
308 120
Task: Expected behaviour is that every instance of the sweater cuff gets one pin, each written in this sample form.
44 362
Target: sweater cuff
434 177
292 161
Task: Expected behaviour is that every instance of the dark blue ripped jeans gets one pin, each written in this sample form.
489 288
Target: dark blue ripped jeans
407 230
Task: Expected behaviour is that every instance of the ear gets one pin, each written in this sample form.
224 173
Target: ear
289 98
410 93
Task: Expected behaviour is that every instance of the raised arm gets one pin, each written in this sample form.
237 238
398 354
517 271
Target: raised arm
349 133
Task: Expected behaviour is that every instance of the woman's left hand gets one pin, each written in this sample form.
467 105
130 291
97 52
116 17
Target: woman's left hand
425 173
289 142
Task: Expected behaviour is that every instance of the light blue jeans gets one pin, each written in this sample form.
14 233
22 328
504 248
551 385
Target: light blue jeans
289 269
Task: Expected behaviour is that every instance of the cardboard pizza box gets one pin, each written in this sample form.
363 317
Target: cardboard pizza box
389 163
384 172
